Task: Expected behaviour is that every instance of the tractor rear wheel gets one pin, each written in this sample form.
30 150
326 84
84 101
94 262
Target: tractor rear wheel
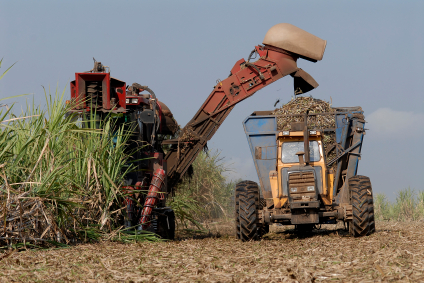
247 220
363 223
236 211
371 210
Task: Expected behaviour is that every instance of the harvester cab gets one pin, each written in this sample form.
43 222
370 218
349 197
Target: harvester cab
308 175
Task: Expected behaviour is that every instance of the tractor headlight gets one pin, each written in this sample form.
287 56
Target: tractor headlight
312 132
286 133
134 100
127 101
310 188
293 190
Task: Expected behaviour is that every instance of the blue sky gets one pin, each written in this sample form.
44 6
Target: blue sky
374 59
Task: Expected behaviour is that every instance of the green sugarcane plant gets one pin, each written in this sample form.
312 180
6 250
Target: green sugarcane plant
60 182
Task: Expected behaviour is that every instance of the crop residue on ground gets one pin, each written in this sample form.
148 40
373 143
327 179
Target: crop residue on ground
301 105
394 253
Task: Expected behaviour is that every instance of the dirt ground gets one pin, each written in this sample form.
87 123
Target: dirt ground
393 254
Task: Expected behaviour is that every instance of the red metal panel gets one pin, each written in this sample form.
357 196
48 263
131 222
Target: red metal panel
261 51
73 91
246 78
80 87
121 96
106 94
232 89
237 65
213 101
80 92
118 90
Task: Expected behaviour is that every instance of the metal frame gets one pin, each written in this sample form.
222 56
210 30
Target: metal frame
349 131
245 79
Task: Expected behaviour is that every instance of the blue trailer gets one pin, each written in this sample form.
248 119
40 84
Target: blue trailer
307 175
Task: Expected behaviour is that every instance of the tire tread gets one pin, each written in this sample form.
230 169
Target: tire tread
363 223
246 211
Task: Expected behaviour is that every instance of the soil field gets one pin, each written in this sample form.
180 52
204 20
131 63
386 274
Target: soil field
394 254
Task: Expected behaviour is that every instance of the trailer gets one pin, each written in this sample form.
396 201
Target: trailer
304 179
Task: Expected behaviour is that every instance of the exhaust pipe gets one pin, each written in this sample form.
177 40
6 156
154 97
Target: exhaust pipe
306 139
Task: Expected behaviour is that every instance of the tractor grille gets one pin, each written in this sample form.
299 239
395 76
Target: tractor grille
300 181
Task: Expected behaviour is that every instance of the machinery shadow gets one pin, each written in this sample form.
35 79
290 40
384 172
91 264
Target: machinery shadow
220 228
226 229
293 233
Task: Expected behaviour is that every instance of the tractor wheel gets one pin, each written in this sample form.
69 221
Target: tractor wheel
363 223
371 210
166 224
236 211
247 193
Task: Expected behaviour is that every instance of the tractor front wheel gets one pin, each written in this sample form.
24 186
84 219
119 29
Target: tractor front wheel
363 223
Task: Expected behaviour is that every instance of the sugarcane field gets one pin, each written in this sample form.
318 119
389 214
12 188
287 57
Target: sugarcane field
301 165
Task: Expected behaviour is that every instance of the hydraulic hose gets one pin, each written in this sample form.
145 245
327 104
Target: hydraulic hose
151 198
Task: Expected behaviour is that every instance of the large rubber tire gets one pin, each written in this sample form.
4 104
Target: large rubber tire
247 193
166 224
236 211
361 198
371 210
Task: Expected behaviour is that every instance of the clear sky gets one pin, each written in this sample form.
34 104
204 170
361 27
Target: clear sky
374 59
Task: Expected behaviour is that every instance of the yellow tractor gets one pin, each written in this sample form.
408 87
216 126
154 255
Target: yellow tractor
304 180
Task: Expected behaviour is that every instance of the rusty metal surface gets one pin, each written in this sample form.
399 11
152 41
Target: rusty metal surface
303 82
348 213
311 217
258 152
245 79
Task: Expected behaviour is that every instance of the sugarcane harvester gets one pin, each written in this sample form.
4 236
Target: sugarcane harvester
97 95
283 45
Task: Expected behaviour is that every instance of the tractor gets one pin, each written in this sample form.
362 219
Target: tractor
308 175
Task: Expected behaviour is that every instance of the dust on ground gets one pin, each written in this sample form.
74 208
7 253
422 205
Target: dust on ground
394 253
